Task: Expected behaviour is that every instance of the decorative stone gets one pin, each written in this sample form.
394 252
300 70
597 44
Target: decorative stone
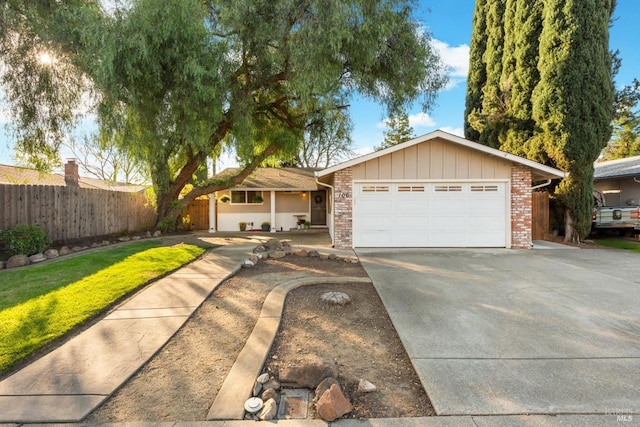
259 249
273 244
272 383
17 261
269 410
263 255
248 263
270 393
301 253
313 254
135 238
325 385
39 257
147 234
263 378
324 257
257 389
157 233
78 248
106 243
277 254
51 253
333 256
64 251
365 386
94 245
124 238
332 404
253 259
336 298
307 373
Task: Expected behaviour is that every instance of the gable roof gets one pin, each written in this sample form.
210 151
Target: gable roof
16 175
275 179
540 171
619 168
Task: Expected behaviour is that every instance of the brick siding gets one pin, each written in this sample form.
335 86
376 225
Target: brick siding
343 207
521 207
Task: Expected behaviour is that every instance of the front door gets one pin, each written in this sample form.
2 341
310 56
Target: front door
318 208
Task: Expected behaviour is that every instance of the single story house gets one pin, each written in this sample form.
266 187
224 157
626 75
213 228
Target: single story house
16 175
286 198
436 190
618 181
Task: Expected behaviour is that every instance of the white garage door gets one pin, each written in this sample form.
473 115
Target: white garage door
456 214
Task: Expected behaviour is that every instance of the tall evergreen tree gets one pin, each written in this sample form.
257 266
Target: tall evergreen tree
399 131
573 101
477 76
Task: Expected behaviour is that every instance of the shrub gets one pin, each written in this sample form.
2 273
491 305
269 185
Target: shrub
166 225
25 239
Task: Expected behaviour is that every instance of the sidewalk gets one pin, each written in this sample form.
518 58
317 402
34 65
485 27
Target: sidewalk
71 381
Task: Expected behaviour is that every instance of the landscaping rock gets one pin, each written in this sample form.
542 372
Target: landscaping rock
78 248
324 257
124 238
135 238
272 383
325 385
259 249
307 373
302 253
17 261
277 254
39 257
106 243
332 404
253 259
263 378
270 393
51 253
365 386
313 254
248 263
147 234
257 389
157 233
333 256
269 410
336 298
273 245
94 245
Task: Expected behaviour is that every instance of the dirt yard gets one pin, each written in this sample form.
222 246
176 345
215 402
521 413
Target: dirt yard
181 381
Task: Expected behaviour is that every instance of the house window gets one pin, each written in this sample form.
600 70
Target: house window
246 197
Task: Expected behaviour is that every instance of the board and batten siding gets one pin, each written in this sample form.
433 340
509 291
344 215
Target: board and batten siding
435 159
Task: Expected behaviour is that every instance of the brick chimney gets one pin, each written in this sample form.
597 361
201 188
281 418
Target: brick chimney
71 176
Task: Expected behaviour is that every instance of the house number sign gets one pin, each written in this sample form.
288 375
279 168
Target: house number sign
344 195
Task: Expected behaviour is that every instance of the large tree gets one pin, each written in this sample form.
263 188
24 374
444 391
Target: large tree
477 76
399 131
554 99
178 80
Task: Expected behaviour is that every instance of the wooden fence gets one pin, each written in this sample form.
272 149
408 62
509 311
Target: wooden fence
67 213
540 215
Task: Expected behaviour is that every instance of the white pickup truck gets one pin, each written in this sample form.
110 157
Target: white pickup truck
624 219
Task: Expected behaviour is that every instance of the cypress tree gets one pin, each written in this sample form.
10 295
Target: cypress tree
573 101
477 76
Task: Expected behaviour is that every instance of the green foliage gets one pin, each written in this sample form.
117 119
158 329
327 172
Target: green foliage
399 131
25 239
180 80
625 141
547 92
42 303
167 225
224 199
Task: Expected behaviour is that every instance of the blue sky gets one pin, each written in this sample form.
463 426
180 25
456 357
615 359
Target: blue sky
449 23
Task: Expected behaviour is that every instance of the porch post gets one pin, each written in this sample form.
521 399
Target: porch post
212 213
273 211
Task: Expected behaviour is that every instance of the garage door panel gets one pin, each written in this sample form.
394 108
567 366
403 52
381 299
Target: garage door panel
457 214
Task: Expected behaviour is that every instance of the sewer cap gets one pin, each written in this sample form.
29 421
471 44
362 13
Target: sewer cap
253 404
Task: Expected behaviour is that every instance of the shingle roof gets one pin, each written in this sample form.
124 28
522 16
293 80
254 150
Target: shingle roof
299 179
618 168
24 176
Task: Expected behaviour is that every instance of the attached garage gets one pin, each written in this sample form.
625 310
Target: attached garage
437 190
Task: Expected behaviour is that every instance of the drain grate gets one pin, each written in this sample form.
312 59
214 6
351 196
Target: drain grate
294 403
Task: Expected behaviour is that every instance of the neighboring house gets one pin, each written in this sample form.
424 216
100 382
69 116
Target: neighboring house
619 181
436 190
286 198
16 175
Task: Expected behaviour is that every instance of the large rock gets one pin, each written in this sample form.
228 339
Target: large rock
336 298
307 373
270 393
325 385
269 410
17 261
302 253
64 251
277 254
273 245
313 254
365 386
36 258
332 404
51 253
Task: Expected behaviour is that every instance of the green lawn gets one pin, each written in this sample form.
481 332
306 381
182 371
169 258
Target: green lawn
42 303
619 244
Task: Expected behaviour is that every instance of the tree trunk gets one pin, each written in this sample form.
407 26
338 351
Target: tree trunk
571 234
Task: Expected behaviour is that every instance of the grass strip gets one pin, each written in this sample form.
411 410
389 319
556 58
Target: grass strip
76 289
620 244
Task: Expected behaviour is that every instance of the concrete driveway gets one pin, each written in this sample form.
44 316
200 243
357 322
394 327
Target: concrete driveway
517 332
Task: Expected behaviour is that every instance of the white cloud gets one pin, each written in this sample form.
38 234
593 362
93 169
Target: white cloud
456 58
421 120
418 120
455 131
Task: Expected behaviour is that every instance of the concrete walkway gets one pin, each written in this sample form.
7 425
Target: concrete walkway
71 381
